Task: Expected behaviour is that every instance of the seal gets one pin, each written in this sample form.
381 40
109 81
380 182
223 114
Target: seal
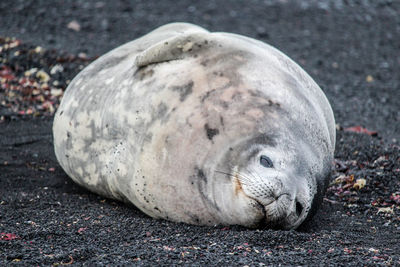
199 127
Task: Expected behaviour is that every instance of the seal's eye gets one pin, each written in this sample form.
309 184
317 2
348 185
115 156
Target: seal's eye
266 162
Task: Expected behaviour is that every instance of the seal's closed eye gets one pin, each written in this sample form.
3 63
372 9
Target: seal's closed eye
266 162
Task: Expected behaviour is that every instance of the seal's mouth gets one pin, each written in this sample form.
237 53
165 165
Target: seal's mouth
276 214
280 211
277 223
276 211
284 213
271 220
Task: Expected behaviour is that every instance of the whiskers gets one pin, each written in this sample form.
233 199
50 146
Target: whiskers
255 183
243 178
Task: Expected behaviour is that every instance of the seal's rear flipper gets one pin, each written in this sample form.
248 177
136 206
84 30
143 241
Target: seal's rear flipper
174 48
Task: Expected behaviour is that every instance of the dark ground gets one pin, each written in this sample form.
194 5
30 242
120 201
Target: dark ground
351 48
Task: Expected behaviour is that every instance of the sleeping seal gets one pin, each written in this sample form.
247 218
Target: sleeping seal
199 127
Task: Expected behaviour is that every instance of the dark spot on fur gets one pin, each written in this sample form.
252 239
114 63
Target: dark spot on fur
200 179
188 123
93 130
148 137
221 119
218 73
161 111
144 73
195 219
201 174
61 112
256 93
68 134
206 95
210 132
272 103
237 96
183 90
225 104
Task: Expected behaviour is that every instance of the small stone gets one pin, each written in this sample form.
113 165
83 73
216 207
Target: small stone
56 68
74 25
43 76
56 92
30 72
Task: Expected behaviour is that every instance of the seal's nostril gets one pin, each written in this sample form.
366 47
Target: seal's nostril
299 208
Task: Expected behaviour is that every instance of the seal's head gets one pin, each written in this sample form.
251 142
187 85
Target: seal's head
278 183
270 179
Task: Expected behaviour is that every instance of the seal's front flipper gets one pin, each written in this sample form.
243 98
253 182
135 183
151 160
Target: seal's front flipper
174 48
